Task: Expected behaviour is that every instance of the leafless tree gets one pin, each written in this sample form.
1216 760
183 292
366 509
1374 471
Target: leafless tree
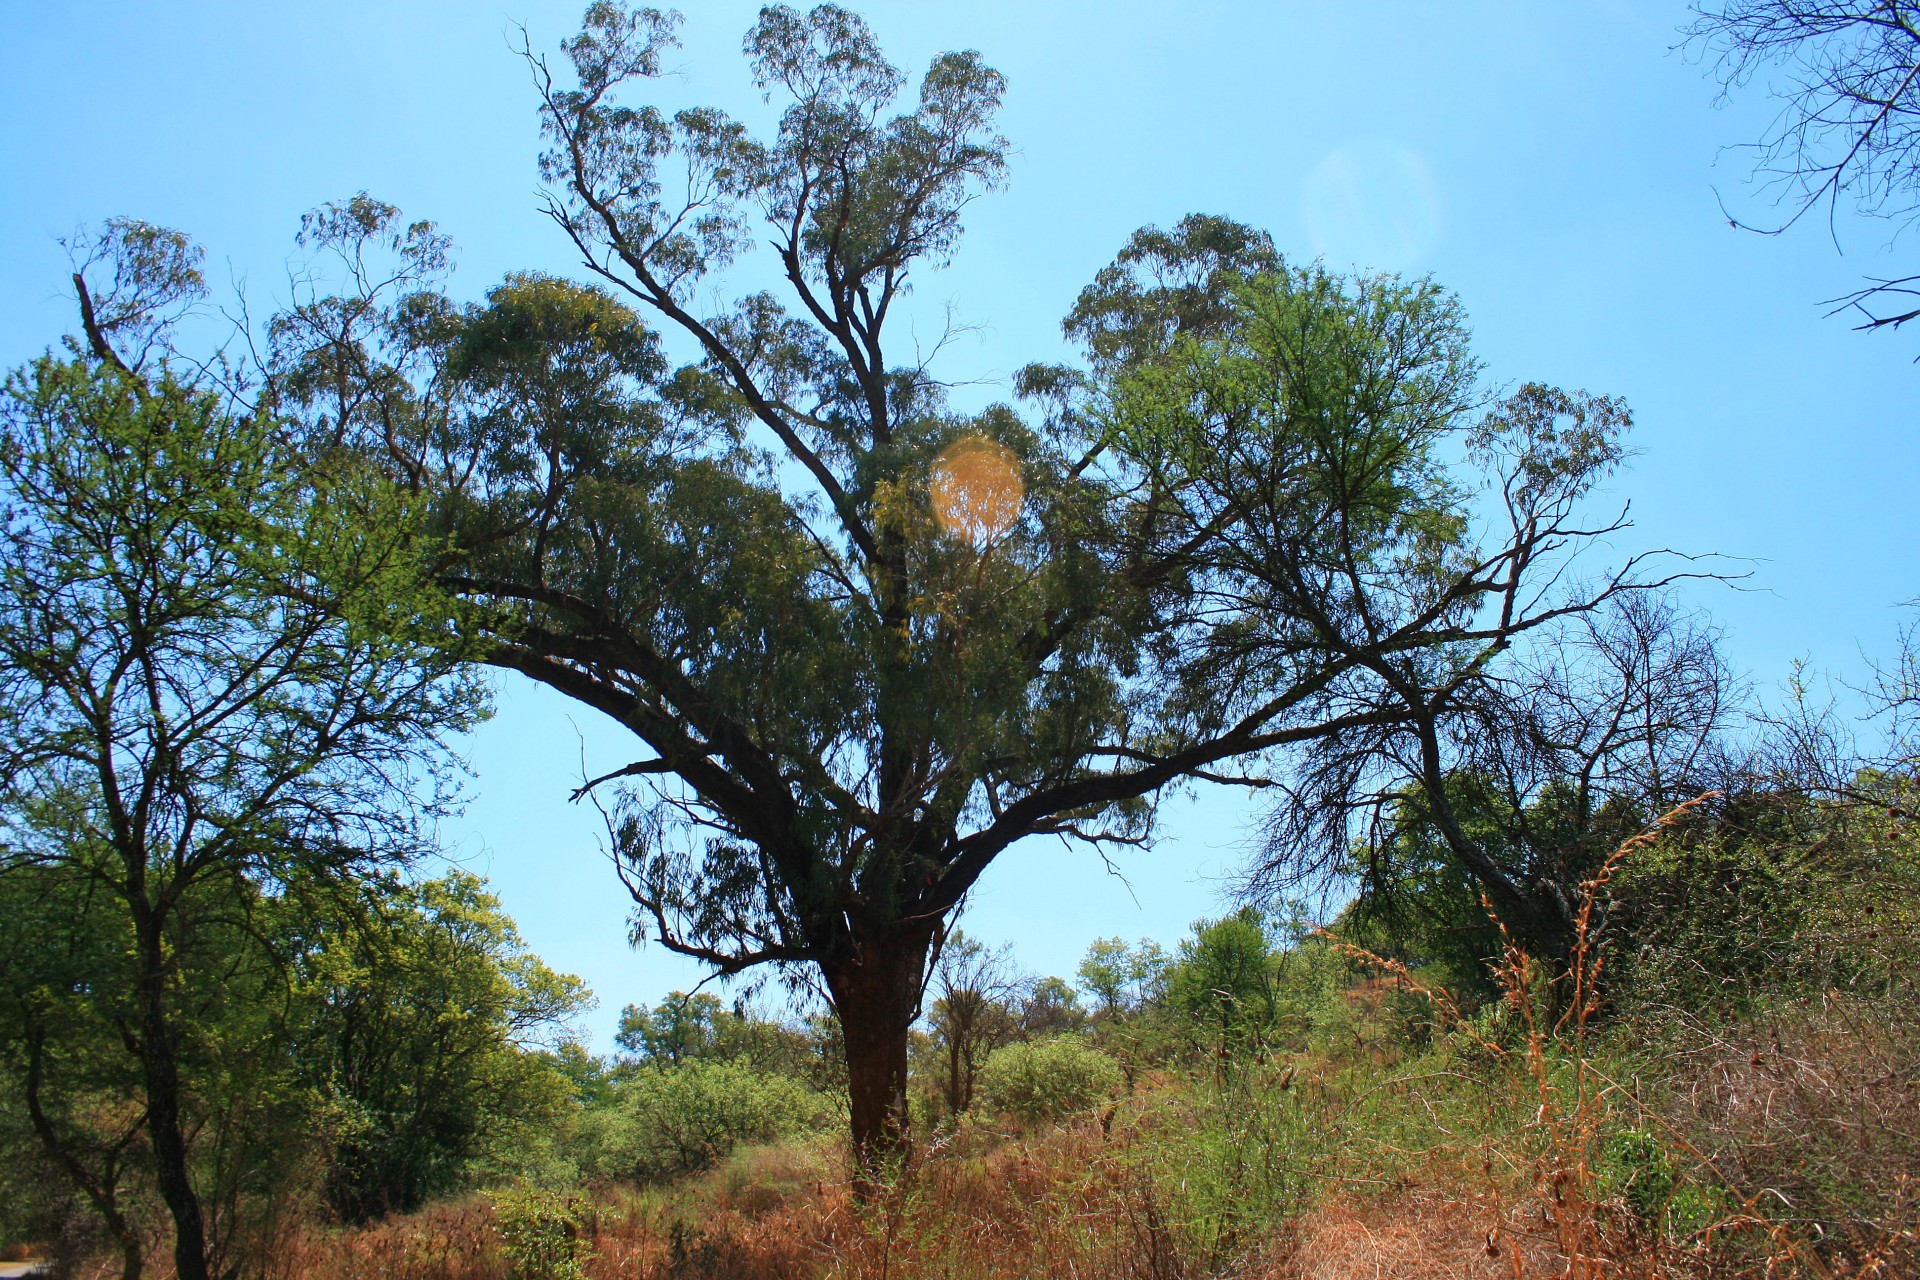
1590 730
1846 74
975 987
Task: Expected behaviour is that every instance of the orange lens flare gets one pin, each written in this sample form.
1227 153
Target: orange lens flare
977 490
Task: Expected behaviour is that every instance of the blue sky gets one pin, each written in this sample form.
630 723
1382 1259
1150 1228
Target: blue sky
1555 164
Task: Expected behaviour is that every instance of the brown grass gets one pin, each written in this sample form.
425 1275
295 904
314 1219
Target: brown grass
450 1241
1414 1236
1773 1118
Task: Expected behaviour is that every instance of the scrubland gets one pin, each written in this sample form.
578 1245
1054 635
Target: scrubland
1718 1082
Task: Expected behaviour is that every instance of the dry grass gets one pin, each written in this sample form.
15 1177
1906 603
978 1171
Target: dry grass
1413 1236
449 1241
1063 1203
1800 1127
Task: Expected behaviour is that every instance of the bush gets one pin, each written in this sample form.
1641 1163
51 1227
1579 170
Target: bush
667 1121
541 1234
1046 1079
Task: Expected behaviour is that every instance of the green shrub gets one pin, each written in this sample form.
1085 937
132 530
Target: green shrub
666 1121
1045 1079
541 1234
1637 1167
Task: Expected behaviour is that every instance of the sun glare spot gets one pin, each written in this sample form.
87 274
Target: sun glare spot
977 490
1372 205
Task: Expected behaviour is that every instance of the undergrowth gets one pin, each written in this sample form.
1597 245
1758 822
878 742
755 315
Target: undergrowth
1378 1129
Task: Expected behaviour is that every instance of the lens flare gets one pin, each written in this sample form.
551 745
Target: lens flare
1372 205
977 490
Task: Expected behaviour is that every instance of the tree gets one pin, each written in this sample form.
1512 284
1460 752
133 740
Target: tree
1050 1008
1224 980
697 1027
1106 972
866 642
184 717
420 1020
1535 771
1849 120
972 1014
69 1078
679 1029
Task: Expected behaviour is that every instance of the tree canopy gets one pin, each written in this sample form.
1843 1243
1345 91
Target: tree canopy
868 640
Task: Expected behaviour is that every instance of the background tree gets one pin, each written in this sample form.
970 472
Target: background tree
697 1027
1223 984
1105 973
1848 85
972 1015
72 1093
418 1021
1050 1007
180 727
1589 732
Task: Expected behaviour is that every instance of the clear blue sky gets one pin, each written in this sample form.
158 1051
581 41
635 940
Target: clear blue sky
1553 163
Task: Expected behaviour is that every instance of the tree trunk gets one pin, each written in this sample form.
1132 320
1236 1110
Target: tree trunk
160 1063
877 996
956 1092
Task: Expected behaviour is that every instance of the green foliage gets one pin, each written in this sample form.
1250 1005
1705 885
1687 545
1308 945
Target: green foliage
698 1028
666 1121
193 730
1106 974
68 1090
1051 1008
1039 1081
1823 893
1636 1166
1416 904
1239 1154
1223 985
542 1234
420 1023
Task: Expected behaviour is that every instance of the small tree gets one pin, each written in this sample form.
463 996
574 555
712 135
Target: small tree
972 1013
419 1024
1106 972
183 716
1223 983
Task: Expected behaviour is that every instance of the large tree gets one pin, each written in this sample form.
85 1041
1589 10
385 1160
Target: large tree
866 641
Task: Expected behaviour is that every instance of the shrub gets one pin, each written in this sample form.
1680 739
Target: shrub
667 1121
542 1234
1046 1079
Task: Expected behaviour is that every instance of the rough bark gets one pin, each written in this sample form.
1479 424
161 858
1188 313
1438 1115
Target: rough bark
876 995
